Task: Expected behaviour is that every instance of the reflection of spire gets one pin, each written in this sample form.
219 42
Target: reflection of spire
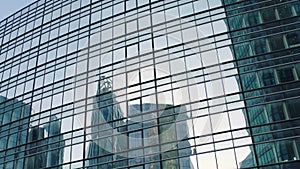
106 103
107 115
104 85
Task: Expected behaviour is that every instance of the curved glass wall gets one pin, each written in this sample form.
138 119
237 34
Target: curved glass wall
143 84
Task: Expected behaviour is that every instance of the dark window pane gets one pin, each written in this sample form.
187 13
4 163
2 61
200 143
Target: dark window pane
285 11
257 115
275 111
249 81
259 46
285 150
285 75
293 39
243 50
268 14
267 77
276 42
252 18
293 107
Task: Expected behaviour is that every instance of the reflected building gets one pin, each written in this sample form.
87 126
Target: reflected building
30 138
149 84
117 138
107 120
41 140
45 145
14 116
55 142
36 149
160 130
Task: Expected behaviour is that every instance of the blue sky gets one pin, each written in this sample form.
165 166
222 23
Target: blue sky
9 7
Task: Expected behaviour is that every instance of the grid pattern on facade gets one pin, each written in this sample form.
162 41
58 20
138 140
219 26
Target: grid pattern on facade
150 84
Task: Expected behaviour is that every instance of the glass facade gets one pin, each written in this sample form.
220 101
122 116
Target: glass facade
149 84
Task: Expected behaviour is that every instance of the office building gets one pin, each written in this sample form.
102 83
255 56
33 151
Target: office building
149 84
269 79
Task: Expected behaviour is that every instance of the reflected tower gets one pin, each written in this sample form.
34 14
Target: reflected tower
56 143
45 145
30 138
118 138
150 84
106 121
37 157
14 112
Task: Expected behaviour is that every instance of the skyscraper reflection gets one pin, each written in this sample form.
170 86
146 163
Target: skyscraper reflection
106 119
55 141
128 140
36 147
13 113
45 147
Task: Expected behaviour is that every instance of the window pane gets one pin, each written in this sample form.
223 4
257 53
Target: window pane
293 39
285 74
293 107
267 77
275 111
